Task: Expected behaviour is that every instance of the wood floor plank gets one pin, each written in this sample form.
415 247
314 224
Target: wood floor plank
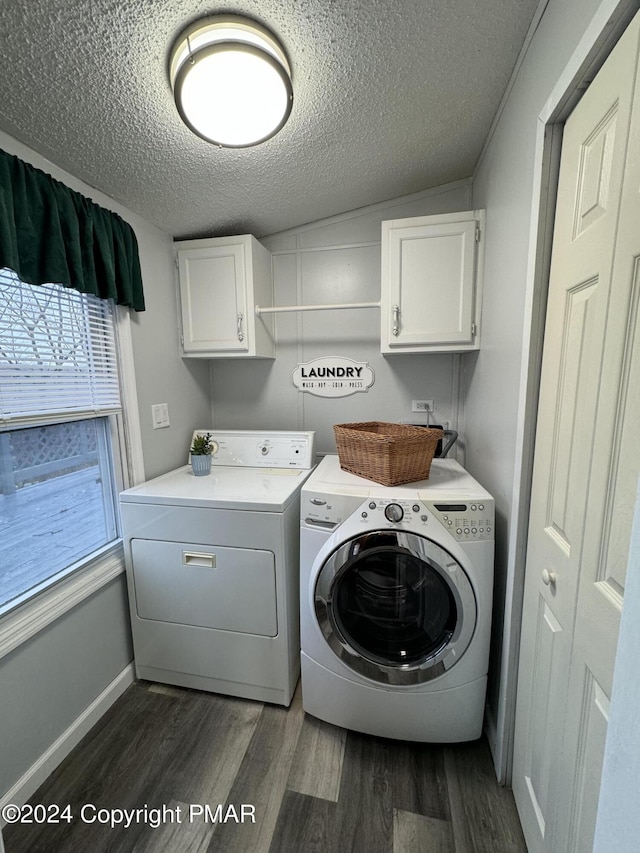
305 824
321 776
164 689
483 814
186 836
364 818
419 782
459 826
413 833
207 748
262 779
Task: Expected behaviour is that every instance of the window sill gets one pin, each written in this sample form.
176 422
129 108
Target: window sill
27 619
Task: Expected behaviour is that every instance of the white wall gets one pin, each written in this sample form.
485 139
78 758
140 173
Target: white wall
51 679
332 261
162 376
501 378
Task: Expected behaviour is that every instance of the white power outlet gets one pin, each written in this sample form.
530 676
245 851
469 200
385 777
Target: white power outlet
422 405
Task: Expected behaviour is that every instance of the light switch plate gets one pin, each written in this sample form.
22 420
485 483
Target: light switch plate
160 415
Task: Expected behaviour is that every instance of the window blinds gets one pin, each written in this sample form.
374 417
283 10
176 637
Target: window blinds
58 357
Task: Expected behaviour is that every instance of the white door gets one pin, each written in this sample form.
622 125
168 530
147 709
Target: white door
586 465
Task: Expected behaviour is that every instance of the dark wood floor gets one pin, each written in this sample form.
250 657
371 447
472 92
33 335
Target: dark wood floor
285 782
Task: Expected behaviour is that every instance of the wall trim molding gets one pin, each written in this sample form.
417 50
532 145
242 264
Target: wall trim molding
128 390
31 780
19 625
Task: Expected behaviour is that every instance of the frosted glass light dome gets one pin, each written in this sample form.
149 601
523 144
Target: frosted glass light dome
231 81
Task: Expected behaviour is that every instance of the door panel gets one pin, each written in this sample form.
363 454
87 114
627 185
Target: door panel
574 406
549 641
585 470
585 775
596 163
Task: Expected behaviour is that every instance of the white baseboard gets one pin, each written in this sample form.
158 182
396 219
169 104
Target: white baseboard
30 781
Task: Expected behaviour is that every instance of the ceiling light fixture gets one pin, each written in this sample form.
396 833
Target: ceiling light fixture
231 81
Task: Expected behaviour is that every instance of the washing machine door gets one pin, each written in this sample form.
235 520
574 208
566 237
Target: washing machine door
395 606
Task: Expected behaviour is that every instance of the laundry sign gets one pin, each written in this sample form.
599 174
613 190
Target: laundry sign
333 376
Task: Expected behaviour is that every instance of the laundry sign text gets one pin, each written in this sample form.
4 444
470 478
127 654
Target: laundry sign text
333 376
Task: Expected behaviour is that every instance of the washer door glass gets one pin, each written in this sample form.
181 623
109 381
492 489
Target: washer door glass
395 606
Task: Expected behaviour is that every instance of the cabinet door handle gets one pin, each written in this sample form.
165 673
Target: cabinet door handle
396 320
240 332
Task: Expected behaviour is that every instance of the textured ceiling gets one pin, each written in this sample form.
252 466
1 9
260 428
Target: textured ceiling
390 97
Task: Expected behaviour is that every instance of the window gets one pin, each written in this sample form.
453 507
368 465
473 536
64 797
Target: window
59 406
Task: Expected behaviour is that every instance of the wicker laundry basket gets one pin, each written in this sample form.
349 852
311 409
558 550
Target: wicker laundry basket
390 454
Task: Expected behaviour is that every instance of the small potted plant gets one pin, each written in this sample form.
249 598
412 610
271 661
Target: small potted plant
201 450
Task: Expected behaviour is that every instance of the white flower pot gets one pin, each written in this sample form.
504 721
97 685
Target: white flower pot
201 465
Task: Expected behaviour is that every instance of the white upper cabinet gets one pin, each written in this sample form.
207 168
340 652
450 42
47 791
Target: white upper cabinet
431 283
221 281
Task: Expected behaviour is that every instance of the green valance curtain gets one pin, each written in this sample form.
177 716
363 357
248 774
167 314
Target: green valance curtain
52 234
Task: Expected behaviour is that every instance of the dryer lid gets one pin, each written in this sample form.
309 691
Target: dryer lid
259 489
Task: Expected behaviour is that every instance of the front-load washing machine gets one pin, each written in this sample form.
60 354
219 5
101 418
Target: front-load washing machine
396 597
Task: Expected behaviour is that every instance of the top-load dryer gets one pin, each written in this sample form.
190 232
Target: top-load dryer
212 568
396 598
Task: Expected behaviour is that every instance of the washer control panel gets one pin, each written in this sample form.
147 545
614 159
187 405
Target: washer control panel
385 512
467 520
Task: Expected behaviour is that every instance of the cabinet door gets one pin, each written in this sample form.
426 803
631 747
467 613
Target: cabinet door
429 284
213 298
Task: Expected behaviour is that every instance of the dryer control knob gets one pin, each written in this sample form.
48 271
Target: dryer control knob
394 512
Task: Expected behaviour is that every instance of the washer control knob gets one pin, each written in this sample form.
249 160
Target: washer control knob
394 512
372 505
